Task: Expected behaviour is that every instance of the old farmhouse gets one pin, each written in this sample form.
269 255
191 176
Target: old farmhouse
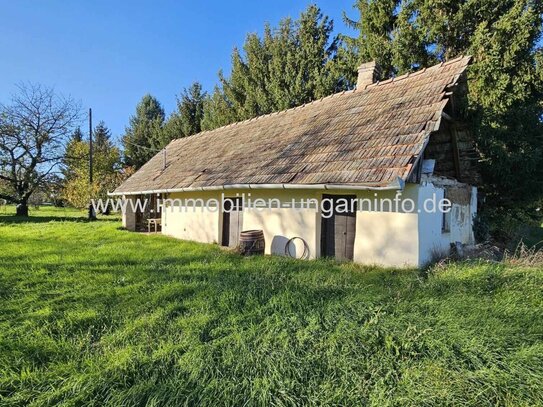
400 135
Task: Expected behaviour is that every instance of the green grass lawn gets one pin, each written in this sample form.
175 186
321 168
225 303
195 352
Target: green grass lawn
94 315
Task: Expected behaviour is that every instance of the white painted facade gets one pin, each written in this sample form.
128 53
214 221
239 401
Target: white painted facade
403 238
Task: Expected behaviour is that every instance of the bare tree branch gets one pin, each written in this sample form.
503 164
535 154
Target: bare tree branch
34 129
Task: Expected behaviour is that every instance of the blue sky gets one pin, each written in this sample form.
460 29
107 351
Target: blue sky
108 54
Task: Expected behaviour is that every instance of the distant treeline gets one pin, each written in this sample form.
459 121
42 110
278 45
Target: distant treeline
301 60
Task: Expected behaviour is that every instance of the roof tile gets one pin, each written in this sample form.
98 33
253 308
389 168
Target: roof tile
367 137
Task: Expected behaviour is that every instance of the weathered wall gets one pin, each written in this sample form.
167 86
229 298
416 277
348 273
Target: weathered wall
279 224
434 241
383 236
454 150
462 216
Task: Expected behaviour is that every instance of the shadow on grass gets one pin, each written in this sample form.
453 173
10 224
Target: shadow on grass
46 219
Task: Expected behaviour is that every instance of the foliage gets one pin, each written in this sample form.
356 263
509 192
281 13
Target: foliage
507 95
77 135
187 120
33 130
143 137
129 319
217 110
481 228
71 160
51 193
375 26
505 80
286 67
106 168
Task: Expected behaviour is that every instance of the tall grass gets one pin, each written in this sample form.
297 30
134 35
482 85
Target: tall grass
524 255
93 315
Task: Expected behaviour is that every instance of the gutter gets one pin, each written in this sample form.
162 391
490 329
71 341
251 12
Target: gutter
399 184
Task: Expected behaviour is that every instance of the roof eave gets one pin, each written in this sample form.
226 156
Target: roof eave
398 184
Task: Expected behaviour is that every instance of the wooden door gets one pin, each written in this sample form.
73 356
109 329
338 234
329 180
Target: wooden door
338 231
232 222
328 230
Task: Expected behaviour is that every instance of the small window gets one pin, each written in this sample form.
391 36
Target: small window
446 218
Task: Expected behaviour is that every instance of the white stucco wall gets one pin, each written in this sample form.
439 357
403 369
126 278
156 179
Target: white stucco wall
462 220
282 224
129 216
279 224
191 222
383 237
387 239
433 240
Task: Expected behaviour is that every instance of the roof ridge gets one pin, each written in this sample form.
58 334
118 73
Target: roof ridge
324 98
451 61
279 112
385 124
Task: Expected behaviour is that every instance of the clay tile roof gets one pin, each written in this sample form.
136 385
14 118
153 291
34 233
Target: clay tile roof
365 138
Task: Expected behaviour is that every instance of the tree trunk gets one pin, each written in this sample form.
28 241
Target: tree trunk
22 209
107 211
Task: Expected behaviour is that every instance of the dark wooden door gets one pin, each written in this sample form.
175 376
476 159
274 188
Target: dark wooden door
338 231
328 230
232 221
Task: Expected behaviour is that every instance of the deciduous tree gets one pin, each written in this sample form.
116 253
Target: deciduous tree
107 169
34 128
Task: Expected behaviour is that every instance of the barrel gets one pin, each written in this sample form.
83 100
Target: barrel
251 242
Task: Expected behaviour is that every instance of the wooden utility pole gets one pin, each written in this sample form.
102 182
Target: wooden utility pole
92 213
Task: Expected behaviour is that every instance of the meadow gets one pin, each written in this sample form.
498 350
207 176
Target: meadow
93 315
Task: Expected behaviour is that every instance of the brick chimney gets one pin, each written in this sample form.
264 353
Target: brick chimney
368 73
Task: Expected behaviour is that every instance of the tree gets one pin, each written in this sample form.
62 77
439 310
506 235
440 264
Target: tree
50 192
143 136
191 109
218 111
69 159
187 119
506 95
375 27
107 169
77 135
33 130
101 137
289 66
505 83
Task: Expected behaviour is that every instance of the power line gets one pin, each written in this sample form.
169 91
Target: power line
155 150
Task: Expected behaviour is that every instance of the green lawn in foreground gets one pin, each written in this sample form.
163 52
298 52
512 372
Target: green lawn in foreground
93 315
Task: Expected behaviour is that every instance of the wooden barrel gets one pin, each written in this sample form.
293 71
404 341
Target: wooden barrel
251 242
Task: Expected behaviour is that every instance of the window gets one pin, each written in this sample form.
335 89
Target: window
446 217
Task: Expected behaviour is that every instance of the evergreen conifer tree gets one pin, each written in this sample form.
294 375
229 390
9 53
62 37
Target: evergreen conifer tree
143 137
505 82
